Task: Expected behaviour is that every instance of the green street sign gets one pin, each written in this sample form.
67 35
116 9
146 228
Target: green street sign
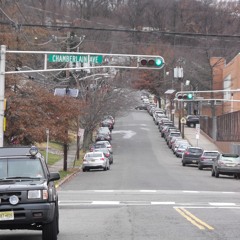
75 58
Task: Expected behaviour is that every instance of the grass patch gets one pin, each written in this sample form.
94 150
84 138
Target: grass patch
63 174
52 157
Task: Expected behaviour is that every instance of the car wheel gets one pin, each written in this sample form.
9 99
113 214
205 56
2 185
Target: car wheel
49 230
192 125
84 169
216 173
200 167
183 163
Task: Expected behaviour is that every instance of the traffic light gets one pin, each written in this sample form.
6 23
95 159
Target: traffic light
185 96
157 62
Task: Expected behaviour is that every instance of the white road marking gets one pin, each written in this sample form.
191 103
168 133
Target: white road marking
126 133
163 203
105 203
191 191
151 203
221 204
148 191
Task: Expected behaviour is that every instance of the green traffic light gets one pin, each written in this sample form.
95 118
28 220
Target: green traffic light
158 62
190 96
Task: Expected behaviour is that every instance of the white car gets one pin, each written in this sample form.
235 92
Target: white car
95 160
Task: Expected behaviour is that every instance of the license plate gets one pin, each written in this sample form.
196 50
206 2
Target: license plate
5 216
92 160
194 161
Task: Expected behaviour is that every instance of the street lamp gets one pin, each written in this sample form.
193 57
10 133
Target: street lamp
47 132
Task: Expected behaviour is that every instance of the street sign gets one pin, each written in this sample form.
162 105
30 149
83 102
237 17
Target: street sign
183 120
75 58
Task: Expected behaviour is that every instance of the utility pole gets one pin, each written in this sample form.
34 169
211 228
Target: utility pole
2 92
65 144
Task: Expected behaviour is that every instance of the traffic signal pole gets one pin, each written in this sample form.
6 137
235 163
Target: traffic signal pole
2 91
98 61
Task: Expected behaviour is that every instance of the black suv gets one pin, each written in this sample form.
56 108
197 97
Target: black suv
28 197
192 120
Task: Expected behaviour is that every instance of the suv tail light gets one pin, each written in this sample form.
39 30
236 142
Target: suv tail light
102 158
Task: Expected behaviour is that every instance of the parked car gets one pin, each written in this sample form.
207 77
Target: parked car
142 106
226 164
179 142
99 144
109 117
106 153
173 138
107 123
164 123
95 160
170 134
107 143
192 155
104 133
103 137
181 149
166 131
192 120
207 158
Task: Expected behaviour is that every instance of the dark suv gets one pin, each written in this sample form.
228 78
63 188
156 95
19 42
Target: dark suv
192 155
192 120
28 197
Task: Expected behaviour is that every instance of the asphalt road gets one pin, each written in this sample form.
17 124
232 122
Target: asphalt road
147 194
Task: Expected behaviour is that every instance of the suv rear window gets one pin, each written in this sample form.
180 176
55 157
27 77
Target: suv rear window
210 154
195 150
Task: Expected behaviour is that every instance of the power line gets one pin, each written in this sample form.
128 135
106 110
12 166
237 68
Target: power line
155 31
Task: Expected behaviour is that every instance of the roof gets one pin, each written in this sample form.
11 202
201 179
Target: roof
14 151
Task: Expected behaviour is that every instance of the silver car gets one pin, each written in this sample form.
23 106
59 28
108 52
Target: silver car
207 158
108 145
226 164
95 160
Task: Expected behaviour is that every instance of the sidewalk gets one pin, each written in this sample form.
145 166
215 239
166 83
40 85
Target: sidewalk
203 141
71 157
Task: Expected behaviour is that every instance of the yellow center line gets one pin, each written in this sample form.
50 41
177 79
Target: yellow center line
193 219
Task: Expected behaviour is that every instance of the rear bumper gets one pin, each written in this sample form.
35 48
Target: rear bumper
206 163
228 170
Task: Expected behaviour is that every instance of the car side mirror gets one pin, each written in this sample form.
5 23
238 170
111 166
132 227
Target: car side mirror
54 176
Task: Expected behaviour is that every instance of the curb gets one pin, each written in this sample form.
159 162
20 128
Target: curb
68 177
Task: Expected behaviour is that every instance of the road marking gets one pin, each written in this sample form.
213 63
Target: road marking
221 204
126 133
163 203
148 191
105 203
151 203
191 191
131 191
193 219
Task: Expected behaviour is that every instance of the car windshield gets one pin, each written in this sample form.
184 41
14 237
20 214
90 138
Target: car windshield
24 167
